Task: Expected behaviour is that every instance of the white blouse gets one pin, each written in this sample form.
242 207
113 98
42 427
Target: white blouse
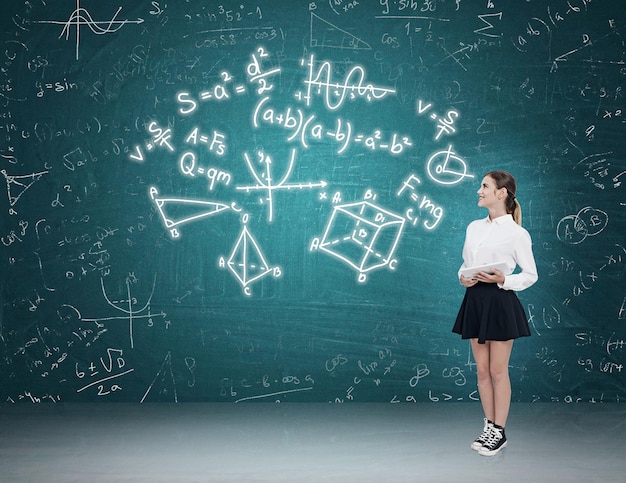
501 240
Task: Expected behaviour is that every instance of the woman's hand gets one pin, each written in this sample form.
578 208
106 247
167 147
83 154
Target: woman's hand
496 277
468 282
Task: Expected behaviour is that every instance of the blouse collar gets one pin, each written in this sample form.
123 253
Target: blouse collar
501 219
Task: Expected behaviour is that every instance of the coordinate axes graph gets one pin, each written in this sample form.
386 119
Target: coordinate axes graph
265 181
80 16
128 306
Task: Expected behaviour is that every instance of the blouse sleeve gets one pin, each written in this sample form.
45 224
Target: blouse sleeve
464 254
524 258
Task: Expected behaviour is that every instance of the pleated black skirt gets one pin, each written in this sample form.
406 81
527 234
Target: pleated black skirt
491 313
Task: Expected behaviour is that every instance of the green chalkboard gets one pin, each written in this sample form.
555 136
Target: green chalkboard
267 201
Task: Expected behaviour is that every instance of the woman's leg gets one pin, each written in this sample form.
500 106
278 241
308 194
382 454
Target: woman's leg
499 355
485 384
494 385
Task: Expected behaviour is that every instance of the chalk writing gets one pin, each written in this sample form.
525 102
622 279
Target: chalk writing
176 212
335 94
255 201
81 16
247 262
163 384
445 125
306 128
363 235
587 222
100 375
423 204
265 179
447 168
326 34
18 184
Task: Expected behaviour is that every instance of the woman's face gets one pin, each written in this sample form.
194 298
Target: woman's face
489 195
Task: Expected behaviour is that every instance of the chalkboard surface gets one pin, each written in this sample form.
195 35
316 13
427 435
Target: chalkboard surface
267 201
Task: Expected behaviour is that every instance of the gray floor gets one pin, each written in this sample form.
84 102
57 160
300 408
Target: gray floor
307 442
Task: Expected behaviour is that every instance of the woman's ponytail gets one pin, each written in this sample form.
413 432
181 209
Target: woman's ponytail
517 212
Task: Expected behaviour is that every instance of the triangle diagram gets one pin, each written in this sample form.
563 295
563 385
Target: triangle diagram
17 185
177 211
608 49
163 386
326 34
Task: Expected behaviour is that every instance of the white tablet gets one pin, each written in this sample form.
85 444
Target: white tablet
469 272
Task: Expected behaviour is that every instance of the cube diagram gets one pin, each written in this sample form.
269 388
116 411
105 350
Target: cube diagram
362 235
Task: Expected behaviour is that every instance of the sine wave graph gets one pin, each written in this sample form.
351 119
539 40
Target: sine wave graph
81 17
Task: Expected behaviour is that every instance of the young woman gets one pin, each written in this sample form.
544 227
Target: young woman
491 315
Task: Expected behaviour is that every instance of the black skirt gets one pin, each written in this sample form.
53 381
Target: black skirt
491 313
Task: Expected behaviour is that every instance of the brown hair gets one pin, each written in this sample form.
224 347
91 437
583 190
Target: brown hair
506 180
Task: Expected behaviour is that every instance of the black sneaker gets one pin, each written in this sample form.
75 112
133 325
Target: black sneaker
495 442
484 436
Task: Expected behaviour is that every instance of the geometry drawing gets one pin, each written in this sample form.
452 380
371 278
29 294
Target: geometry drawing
247 262
19 184
574 229
451 170
81 16
362 235
265 180
333 37
181 211
165 379
599 47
